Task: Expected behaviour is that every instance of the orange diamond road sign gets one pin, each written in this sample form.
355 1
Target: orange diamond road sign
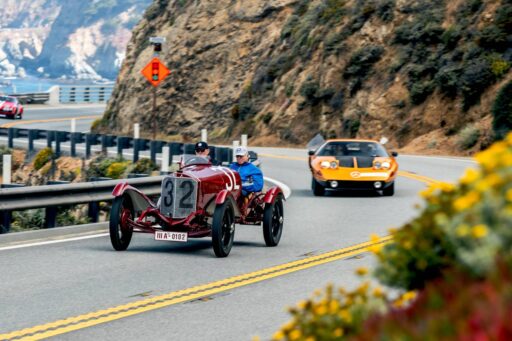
155 71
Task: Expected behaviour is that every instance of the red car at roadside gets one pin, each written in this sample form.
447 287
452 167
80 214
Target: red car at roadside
10 107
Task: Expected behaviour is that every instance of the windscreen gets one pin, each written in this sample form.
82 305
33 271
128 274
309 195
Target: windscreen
351 148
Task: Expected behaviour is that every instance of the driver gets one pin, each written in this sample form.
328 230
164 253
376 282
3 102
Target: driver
202 149
252 177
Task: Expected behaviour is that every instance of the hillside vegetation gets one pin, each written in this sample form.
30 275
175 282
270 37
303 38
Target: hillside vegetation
426 74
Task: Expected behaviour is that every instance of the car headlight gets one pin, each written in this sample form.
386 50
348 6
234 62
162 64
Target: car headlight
334 165
7 109
325 164
386 165
377 165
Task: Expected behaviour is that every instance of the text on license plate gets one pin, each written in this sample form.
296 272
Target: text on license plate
171 236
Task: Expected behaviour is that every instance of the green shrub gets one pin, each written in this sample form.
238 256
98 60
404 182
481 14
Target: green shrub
156 9
66 218
116 170
143 166
420 91
476 77
267 117
98 167
502 111
42 157
362 60
27 220
385 10
468 137
447 80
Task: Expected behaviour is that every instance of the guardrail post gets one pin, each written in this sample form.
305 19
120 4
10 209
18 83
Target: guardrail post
50 136
5 221
11 134
50 217
60 136
244 140
236 144
32 135
72 94
87 94
166 151
204 135
136 150
6 172
101 96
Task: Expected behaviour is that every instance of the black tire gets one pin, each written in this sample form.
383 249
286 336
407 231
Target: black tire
223 229
273 219
119 236
389 191
318 190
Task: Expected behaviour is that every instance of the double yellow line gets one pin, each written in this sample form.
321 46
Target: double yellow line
424 179
49 120
138 307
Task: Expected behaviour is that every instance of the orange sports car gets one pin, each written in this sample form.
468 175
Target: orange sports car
348 164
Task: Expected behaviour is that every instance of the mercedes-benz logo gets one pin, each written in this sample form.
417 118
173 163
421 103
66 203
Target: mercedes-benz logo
355 175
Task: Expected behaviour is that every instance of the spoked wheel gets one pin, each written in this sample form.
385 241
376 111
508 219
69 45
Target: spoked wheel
223 229
120 232
273 219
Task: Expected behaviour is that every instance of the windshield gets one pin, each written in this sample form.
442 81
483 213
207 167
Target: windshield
191 159
7 99
350 148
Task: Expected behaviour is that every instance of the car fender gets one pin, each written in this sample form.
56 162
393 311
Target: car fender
225 195
140 200
272 194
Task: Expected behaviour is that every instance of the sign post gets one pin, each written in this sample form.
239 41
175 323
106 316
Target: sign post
155 72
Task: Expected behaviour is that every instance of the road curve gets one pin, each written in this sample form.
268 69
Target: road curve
43 284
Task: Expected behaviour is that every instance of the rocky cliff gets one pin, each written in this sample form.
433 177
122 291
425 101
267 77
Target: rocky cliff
70 39
425 74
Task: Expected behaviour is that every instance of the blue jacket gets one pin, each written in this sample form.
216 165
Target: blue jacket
252 177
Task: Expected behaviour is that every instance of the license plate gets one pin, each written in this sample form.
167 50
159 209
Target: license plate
171 236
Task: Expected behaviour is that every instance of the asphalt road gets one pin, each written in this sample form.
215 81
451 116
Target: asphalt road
57 117
42 284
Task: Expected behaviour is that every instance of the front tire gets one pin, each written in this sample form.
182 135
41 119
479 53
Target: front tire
120 232
273 219
389 191
223 229
318 190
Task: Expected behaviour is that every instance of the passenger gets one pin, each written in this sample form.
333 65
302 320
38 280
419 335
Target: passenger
252 177
203 150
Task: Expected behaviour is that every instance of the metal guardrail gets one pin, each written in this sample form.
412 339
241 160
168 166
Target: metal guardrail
51 197
56 138
33 98
85 93
67 94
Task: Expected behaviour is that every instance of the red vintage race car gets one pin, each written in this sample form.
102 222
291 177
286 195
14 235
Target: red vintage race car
199 200
10 107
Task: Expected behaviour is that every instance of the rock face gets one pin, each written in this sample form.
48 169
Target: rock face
70 39
422 73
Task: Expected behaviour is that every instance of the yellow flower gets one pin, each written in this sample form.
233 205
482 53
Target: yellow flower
363 289
462 230
338 332
409 296
509 139
466 201
279 335
362 271
256 338
407 244
320 309
479 231
302 304
377 292
346 315
508 195
334 306
446 187
427 193
470 176
295 334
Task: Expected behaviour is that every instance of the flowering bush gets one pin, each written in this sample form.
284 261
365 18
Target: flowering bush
463 235
464 226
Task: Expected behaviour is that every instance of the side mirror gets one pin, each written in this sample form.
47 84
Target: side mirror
311 152
253 156
394 154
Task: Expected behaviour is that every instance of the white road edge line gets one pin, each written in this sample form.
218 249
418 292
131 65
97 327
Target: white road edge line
286 190
52 242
